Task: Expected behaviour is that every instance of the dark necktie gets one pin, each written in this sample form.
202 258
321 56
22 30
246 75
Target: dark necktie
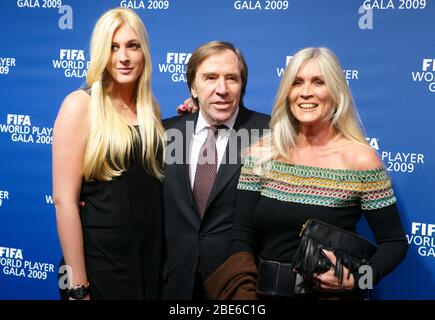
206 169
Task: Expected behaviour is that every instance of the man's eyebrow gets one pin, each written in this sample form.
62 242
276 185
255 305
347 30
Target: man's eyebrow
233 74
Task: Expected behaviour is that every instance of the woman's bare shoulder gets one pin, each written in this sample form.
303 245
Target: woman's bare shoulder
74 111
359 156
76 101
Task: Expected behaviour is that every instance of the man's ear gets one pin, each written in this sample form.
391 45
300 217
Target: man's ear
193 91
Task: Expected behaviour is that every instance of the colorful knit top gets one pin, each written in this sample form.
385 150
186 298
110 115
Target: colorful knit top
370 189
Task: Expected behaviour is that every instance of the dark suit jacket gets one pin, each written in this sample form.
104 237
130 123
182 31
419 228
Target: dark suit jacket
194 246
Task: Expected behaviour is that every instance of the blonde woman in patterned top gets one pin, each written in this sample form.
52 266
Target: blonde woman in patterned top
315 164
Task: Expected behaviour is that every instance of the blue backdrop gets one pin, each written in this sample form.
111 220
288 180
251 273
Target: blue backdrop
388 56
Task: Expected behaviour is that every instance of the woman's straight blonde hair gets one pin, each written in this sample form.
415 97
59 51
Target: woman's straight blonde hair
111 140
284 127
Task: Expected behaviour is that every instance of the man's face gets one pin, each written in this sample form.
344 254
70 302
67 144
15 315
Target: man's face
217 86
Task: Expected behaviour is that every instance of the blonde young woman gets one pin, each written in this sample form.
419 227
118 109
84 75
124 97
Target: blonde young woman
107 152
314 164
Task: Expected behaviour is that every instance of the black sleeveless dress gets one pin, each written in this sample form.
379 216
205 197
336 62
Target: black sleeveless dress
122 230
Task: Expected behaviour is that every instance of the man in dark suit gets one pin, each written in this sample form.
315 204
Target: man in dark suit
203 167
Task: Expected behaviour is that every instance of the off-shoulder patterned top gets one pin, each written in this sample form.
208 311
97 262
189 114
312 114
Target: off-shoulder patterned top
272 207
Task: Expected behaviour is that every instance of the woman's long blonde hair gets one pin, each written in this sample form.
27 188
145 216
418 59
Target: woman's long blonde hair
111 140
283 125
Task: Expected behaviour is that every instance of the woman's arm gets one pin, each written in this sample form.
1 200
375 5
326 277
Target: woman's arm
248 196
380 210
244 238
387 228
378 205
69 143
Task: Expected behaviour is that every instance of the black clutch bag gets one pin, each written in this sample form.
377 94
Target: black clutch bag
351 250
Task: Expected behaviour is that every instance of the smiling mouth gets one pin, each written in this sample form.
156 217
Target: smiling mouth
125 69
307 106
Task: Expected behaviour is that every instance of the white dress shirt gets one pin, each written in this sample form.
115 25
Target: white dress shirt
199 137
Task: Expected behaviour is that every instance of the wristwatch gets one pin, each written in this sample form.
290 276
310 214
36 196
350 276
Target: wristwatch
79 292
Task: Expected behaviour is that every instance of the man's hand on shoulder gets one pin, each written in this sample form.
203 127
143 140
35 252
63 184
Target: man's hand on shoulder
188 106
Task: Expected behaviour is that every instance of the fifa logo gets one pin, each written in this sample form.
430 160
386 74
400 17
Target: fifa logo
427 73
422 237
424 229
11 253
374 143
178 57
18 119
72 54
428 64
176 65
